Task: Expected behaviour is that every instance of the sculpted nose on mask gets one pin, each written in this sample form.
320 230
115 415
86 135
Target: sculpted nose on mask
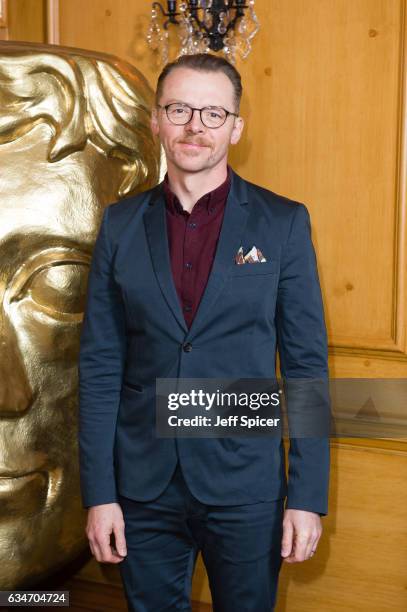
15 393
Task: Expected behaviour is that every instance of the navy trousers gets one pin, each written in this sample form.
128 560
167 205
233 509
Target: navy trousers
240 547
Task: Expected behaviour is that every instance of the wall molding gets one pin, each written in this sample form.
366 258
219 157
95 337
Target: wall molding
53 30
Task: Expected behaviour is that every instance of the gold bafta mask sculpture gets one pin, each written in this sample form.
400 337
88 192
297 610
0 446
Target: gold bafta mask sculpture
74 137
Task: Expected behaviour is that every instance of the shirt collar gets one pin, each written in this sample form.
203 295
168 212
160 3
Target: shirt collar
210 201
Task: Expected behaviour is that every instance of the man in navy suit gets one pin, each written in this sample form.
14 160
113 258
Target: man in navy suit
204 276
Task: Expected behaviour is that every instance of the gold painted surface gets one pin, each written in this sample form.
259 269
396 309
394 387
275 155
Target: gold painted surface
74 137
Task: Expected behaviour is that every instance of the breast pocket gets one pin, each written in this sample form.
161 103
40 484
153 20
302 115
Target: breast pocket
254 269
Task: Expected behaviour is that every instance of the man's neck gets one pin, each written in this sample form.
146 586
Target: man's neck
190 187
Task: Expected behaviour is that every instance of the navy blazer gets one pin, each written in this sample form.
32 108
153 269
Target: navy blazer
134 332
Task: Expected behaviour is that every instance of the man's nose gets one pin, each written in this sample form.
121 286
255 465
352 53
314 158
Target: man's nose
195 124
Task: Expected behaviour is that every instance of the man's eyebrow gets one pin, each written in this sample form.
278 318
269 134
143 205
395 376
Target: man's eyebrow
175 101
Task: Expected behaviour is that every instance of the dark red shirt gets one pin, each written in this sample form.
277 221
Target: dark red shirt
192 239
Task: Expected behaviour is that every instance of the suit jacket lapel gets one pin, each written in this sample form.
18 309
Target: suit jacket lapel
156 229
230 238
233 226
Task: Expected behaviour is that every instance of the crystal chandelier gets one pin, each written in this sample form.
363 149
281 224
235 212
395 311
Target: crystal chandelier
203 26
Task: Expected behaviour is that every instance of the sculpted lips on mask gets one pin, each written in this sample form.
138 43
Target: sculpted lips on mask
22 490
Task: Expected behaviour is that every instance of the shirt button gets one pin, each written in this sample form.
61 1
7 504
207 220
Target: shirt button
188 265
192 224
187 346
187 308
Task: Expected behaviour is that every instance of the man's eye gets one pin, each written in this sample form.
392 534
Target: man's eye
214 113
179 111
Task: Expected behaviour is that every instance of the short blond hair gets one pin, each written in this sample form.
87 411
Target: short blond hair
203 62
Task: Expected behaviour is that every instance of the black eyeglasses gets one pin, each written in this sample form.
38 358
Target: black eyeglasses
212 117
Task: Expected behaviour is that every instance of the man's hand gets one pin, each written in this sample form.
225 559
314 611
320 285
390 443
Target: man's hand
301 533
104 520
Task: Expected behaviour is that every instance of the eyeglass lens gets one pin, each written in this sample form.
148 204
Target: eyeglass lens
211 116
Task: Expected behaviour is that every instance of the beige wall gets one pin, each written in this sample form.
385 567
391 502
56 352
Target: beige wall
325 105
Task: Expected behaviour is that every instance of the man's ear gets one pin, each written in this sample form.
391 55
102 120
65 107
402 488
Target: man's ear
154 121
237 130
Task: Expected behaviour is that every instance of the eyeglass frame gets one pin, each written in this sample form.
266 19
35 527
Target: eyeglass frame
166 106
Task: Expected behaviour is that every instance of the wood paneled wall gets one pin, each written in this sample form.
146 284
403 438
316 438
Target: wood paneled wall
24 20
325 106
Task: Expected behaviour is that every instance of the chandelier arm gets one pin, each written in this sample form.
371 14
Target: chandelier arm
171 14
240 6
239 13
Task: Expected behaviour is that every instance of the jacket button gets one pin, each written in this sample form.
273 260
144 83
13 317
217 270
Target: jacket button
187 347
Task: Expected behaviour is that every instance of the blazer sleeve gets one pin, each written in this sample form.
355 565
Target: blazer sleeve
303 350
101 365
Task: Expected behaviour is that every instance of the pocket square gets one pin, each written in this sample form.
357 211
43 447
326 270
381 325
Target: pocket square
253 256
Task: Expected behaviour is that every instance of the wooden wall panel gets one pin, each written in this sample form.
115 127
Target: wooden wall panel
324 107
327 134
112 26
26 20
361 563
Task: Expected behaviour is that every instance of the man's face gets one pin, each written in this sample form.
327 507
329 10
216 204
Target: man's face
193 147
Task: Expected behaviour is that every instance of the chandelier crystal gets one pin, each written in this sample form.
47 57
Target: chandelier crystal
226 26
